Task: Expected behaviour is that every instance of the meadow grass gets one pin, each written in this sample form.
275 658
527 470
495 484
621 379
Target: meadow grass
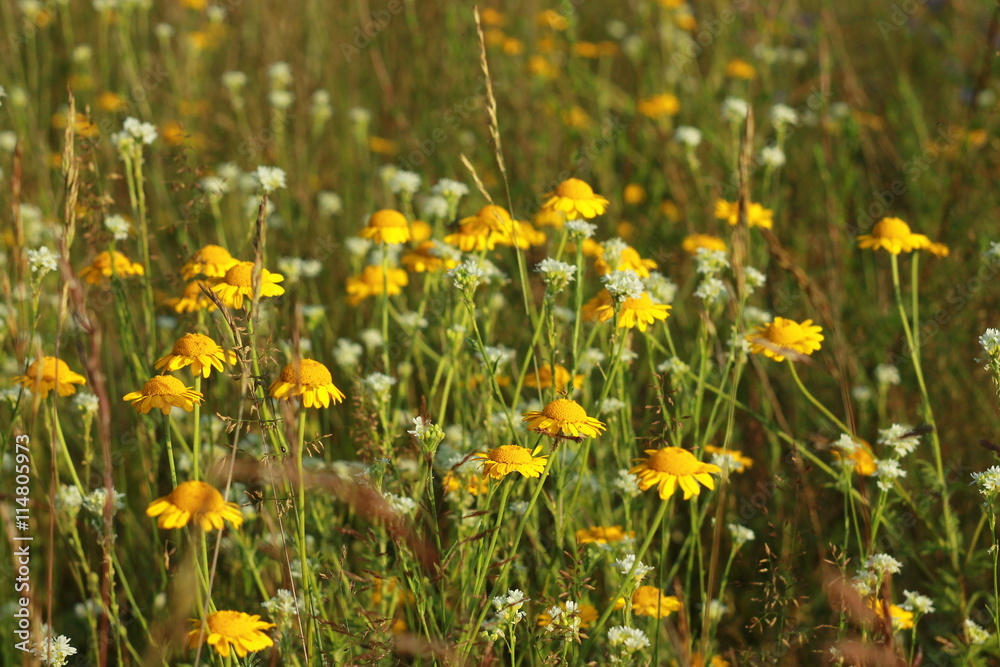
593 333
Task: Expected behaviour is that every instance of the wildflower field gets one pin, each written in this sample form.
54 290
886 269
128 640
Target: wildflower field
400 332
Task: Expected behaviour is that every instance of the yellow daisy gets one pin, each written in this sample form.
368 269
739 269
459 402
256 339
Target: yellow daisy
473 485
564 418
370 283
776 338
387 226
628 260
659 106
894 235
600 308
237 284
650 601
164 392
543 379
420 231
212 261
309 379
229 631
862 456
49 373
692 242
550 218
757 215
603 535
641 312
587 613
901 618
106 264
191 300
505 459
425 259
199 352
740 69
576 199
194 501
671 467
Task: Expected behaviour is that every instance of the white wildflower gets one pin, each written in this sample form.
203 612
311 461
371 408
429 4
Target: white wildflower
887 471
623 284
270 179
688 136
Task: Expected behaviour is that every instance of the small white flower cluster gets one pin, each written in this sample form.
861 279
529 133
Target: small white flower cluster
624 641
710 262
755 279
887 471
883 564
992 254
580 230
674 366
450 189
660 288
467 275
887 374
508 612
55 650
405 183
435 207
347 353
282 608
626 564
590 359
975 633
564 620
735 109
401 504
990 342
727 461
557 275
627 483
783 116
270 179
901 438
42 260
118 226
214 187
329 203
296 268
918 604
711 290
86 402
498 355
133 136
623 284
69 499
688 136
988 481
379 384
95 501
772 156
741 534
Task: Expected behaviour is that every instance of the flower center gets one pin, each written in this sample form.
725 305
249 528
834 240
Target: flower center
574 188
214 254
307 372
494 216
240 275
785 333
194 345
673 461
194 497
387 218
565 410
163 385
511 454
229 624
49 366
891 228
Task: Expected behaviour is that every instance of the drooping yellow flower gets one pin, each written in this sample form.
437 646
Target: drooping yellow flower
387 226
103 266
576 199
229 631
164 392
659 106
673 467
739 463
627 260
587 613
309 379
505 459
550 218
650 601
939 249
48 373
776 338
757 215
894 235
740 69
211 261
563 418
490 226
543 379
194 501
370 283
191 300
600 308
237 284
425 258
641 312
603 535
692 242
199 352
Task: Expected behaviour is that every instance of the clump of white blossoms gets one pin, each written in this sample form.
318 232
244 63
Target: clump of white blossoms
435 207
282 608
467 276
887 471
564 619
557 275
755 279
990 342
329 204
133 136
783 116
404 182
379 384
448 188
740 535
624 641
118 226
54 651
623 284
347 353
42 260
86 402
710 262
883 564
626 564
735 109
887 374
918 604
580 230
507 612
69 499
401 504
711 290
269 179
661 288
674 366
975 633
900 438
988 481
95 501
688 136
772 156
